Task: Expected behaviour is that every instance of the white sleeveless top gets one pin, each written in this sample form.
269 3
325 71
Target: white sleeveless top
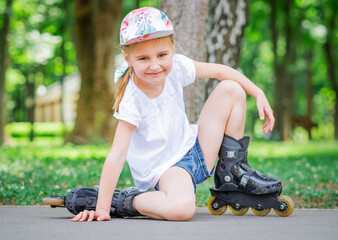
163 134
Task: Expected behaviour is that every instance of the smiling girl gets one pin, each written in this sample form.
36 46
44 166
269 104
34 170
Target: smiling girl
163 150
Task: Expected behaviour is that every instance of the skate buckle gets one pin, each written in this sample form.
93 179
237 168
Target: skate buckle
244 180
230 154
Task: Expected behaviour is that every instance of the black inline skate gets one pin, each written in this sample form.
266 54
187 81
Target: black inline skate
84 198
241 187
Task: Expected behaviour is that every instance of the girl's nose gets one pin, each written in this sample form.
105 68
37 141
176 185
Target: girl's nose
154 65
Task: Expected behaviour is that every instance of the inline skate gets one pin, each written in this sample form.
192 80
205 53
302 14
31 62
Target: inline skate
84 198
239 186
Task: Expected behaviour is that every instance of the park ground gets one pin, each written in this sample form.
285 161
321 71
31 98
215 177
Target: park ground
42 222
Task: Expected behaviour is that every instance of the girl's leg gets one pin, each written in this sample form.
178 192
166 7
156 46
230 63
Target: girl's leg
175 199
223 113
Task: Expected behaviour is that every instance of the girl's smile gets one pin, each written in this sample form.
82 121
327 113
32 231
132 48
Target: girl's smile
155 74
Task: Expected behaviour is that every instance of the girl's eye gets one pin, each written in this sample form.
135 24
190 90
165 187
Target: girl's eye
143 59
162 55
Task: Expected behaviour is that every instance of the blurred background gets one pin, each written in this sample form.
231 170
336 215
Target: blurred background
57 61
58 57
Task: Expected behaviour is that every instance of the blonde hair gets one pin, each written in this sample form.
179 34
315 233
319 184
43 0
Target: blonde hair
123 81
121 87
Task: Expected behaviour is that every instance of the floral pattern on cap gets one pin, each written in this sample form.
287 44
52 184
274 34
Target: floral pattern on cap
144 24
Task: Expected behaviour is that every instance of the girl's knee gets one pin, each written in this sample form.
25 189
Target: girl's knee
182 210
232 88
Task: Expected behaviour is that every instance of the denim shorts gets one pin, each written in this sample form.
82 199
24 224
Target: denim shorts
194 163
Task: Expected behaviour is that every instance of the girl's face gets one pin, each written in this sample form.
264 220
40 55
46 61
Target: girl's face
151 60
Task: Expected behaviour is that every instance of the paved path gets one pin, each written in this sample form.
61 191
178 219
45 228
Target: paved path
43 222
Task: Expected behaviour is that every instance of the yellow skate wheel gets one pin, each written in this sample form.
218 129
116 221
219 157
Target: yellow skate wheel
261 212
239 211
53 201
214 209
289 206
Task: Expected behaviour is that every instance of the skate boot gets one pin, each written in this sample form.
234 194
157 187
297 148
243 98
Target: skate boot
233 172
239 186
85 198
77 200
123 202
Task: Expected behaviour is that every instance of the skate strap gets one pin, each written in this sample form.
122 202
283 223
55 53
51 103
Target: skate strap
125 202
246 177
91 203
236 154
119 203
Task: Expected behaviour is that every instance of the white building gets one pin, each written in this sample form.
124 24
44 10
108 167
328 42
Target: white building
48 101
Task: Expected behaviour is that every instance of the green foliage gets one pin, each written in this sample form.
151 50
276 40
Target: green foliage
48 129
257 60
18 129
40 129
38 31
28 174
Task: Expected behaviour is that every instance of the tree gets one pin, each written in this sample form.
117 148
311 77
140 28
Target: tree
3 67
63 29
227 22
220 24
330 49
283 68
96 27
190 24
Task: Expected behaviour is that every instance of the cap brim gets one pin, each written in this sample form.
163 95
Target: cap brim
149 36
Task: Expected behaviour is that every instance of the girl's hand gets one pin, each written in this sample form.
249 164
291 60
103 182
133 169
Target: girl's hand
265 110
99 215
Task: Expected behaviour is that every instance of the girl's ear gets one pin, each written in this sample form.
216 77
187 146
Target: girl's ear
174 46
126 57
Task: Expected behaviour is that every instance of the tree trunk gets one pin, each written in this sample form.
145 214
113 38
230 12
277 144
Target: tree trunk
96 30
289 77
330 48
309 92
190 24
30 100
284 71
63 30
3 67
226 24
276 67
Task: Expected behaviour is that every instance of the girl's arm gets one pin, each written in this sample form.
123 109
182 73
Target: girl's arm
222 72
114 164
110 173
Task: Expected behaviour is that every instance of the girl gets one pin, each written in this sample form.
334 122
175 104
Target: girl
163 150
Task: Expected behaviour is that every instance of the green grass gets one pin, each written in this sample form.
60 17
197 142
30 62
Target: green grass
30 172
27 174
